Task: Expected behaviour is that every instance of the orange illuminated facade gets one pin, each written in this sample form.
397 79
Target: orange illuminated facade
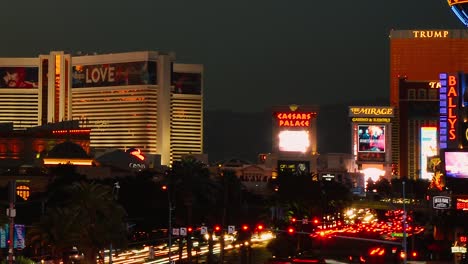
423 54
417 57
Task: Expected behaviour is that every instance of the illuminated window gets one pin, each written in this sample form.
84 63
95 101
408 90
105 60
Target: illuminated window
23 191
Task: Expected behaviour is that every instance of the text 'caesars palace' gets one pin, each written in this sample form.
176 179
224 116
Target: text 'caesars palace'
148 101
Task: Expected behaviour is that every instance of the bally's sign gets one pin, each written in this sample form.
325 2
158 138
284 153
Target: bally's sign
441 202
371 111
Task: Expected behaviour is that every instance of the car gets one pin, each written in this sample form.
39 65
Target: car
356 259
308 257
382 254
75 256
276 260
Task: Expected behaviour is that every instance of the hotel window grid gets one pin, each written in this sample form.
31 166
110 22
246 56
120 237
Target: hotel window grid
422 94
122 116
186 125
433 94
411 148
411 94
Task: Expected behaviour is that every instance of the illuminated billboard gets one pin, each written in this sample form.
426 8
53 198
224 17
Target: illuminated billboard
293 167
186 83
461 204
456 164
371 111
371 138
428 149
294 140
114 74
19 77
460 9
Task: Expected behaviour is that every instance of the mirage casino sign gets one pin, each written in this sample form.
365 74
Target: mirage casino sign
294 119
449 104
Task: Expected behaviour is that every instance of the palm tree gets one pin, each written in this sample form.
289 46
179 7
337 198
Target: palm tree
99 219
191 184
89 218
56 232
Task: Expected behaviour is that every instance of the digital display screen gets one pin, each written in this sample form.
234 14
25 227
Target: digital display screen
428 149
294 140
371 138
19 77
294 167
187 83
114 74
456 164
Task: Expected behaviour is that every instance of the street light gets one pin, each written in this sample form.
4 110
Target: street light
115 195
404 225
169 231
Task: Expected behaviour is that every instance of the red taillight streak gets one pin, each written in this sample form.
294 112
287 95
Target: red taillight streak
305 260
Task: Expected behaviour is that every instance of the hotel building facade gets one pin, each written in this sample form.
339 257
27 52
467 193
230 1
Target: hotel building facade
129 100
418 56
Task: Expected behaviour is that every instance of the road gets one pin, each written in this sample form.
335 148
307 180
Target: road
233 255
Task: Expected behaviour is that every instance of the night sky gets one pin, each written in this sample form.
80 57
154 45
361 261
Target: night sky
256 53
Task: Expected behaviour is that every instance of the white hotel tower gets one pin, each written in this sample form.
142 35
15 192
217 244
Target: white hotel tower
138 100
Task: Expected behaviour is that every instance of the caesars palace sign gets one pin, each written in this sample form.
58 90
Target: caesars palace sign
293 119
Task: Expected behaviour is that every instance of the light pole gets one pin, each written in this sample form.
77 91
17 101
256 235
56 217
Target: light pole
169 230
404 224
115 195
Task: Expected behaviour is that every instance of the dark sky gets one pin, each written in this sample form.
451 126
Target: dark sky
256 53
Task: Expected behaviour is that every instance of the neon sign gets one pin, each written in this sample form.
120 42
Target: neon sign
462 204
448 95
460 9
434 85
137 153
452 95
371 111
288 119
456 2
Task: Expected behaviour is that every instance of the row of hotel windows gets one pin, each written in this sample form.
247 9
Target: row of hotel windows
422 94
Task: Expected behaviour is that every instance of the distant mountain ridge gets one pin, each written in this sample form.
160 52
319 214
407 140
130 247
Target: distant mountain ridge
242 135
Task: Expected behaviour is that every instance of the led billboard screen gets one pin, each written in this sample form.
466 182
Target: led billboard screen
294 140
456 164
293 167
114 74
186 83
371 138
19 77
428 149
